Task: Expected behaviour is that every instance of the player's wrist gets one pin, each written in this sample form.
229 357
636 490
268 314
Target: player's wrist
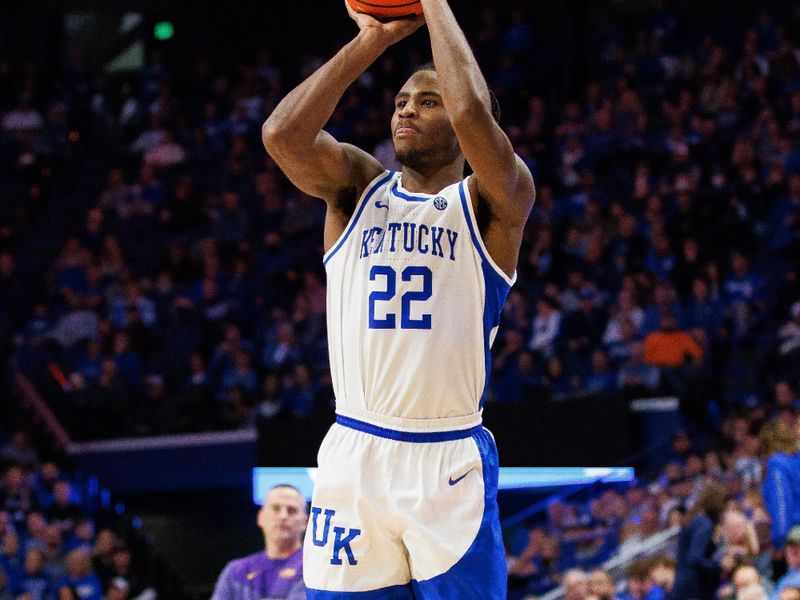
373 38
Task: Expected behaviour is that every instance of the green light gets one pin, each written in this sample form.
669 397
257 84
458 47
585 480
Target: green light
163 30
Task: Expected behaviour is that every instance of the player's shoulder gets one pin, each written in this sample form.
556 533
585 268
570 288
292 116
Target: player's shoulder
364 171
364 167
517 207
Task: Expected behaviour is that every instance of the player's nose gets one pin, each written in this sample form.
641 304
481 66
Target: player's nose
409 110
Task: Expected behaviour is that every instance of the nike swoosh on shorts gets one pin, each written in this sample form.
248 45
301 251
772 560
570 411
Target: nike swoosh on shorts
452 481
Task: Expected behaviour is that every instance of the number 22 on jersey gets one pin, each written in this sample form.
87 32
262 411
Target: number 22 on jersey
418 277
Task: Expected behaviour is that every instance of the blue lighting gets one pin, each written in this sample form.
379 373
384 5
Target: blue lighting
265 478
511 478
536 477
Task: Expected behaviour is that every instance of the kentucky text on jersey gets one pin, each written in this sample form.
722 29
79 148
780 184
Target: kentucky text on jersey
409 237
414 303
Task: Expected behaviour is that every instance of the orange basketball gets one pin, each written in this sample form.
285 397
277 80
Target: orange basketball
387 9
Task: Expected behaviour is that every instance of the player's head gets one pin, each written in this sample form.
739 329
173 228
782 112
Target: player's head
283 516
423 137
495 106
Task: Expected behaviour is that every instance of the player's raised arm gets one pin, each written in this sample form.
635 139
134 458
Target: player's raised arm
312 159
503 179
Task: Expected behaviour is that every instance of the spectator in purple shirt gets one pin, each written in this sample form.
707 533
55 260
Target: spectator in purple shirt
275 573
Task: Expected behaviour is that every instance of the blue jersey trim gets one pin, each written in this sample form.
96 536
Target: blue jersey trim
480 574
496 291
409 197
394 592
360 210
472 234
417 437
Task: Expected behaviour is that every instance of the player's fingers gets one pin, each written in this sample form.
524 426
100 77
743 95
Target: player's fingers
406 26
417 22
351 11
361 19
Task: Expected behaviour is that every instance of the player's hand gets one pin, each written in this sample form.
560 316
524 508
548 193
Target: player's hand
390 32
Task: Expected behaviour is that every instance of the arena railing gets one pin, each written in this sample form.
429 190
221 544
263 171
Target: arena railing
41 412
663 542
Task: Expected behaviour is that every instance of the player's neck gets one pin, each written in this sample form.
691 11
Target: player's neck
433 180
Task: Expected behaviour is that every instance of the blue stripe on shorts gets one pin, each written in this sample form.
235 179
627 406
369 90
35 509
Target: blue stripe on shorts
419 437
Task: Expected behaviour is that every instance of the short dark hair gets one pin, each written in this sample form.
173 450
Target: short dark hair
712 501
290 487
638 570
495 104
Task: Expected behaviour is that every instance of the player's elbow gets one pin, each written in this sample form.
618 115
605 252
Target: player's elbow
470 110
273 135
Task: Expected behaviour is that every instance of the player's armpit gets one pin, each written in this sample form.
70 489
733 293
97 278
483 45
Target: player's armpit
503 179
502 233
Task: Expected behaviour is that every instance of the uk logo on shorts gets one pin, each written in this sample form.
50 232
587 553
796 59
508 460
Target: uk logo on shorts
440 202
342 537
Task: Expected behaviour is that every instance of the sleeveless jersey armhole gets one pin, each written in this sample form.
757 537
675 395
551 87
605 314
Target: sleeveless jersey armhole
477 241
369 191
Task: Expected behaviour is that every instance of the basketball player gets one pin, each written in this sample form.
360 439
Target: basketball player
275 573
419 263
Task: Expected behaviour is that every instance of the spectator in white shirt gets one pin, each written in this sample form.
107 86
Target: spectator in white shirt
625 308
546 326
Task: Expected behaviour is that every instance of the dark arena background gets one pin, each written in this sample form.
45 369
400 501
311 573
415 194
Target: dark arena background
162 295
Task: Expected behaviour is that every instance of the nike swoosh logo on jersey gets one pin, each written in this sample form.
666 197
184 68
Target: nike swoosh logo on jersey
452 481
380 204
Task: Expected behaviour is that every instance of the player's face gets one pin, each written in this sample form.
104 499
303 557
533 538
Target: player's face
422 134
283 518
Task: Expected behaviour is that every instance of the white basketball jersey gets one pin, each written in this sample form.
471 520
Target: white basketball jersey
414 302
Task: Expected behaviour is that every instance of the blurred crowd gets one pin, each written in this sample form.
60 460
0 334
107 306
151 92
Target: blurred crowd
158 274
51 546
732 500
719 520
158 271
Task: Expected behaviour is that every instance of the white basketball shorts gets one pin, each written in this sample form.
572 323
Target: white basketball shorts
399 514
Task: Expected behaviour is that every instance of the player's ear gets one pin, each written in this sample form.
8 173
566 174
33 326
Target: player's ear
260 516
